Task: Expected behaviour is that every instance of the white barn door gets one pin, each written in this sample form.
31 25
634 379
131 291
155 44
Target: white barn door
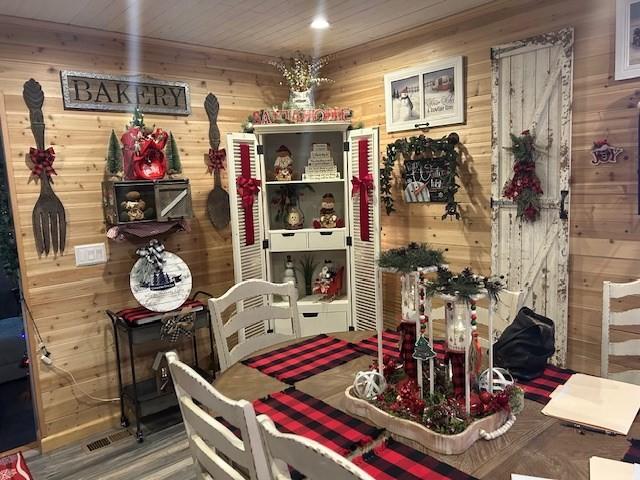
532 90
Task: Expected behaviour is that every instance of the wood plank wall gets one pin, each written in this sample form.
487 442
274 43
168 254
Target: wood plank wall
605 227
68 303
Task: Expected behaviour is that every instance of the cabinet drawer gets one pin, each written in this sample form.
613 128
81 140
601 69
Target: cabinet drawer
326 240
289 241
326 322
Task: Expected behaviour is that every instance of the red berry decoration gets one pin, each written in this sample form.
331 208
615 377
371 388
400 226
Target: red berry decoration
485 397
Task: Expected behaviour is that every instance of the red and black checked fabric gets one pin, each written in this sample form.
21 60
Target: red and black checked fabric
135 314
541 387
296 362
633 454
390 339
296 412
395 461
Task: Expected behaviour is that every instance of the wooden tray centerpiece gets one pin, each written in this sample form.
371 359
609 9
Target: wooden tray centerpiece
446 417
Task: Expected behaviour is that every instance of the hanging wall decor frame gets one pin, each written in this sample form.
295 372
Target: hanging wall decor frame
627 39
430 94
429 168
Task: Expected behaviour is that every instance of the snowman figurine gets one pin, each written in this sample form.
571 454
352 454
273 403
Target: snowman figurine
289 275
283 165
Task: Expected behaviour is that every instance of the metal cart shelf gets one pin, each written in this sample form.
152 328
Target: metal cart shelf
142 396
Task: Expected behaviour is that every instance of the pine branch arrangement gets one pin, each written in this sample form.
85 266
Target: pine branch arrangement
410 258
301 72
114 155
465 285
172 153
524 188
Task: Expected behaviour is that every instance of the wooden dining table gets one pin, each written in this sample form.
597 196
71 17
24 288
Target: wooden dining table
536 445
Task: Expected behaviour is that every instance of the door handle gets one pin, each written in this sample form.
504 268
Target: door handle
564 214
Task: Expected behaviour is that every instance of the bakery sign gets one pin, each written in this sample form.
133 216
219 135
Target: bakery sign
113 93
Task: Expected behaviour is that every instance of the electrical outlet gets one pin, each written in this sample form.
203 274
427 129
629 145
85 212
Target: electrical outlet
91 254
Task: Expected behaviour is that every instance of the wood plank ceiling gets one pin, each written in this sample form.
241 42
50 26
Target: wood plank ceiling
267 27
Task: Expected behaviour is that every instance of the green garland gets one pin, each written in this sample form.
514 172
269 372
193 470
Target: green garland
443 148
409 258
465 285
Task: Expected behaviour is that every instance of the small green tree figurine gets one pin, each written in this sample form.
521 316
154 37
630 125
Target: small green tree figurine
173 156
114 156
423 350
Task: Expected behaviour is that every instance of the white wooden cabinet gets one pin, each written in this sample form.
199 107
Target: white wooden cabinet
346 246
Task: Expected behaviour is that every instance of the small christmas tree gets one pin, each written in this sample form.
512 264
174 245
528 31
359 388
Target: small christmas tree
423 351
173 156
114 155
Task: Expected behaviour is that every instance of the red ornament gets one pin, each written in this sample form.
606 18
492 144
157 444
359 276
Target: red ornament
485 397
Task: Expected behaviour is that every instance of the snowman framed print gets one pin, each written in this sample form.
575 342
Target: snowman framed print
431 94
627 39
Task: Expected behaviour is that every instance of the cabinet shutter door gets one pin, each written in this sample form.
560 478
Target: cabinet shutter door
365 228
248 257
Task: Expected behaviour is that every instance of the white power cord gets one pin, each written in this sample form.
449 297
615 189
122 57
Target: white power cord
48 361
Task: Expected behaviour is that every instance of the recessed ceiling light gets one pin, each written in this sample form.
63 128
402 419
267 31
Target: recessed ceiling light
320 23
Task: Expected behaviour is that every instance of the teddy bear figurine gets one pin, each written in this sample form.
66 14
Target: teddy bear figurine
133 208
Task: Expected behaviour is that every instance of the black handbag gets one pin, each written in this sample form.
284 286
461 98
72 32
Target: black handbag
526 345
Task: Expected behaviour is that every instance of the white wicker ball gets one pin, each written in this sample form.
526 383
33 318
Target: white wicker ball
368 385
501 379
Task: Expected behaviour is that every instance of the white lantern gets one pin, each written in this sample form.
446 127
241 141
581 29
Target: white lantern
368 385
458 320
410 295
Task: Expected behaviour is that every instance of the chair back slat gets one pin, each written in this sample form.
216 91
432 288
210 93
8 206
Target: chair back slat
210 439
249 314
313 460
628 347
246 318
623 318
628 317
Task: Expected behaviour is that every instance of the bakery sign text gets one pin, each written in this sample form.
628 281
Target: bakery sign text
113 93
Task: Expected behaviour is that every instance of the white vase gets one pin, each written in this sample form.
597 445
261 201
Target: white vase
302 99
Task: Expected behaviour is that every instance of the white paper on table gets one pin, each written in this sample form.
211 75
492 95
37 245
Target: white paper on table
515 476
596 402
605 469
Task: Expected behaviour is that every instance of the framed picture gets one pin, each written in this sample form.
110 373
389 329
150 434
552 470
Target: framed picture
627 39
430 93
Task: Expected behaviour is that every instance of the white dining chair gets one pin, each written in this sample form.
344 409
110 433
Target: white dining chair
310 458
217 453
628 317
251 299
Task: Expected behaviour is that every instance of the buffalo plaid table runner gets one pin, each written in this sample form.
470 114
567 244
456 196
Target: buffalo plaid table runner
296 412
390 340
140 315
296 362
633 454
540 388
395 461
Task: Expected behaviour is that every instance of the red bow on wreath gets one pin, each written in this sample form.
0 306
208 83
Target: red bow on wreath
215 161
42 161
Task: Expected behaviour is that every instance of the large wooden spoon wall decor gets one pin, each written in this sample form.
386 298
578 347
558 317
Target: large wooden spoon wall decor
218 199
48 218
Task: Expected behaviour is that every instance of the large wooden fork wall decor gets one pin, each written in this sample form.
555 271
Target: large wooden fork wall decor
48 219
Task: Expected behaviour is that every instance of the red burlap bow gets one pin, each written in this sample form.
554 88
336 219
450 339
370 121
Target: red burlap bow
150 147
363 185
42 161
216 159
248 188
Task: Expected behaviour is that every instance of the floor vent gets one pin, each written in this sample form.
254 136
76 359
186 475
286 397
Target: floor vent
106 441
97 444
119 435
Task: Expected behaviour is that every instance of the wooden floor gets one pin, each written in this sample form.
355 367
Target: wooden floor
536 445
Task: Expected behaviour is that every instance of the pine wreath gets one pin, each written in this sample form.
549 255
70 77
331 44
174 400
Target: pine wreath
441 149
524 188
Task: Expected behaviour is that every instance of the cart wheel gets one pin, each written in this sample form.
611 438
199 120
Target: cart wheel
139 437
124 422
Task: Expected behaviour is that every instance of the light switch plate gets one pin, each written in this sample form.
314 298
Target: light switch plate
91 254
